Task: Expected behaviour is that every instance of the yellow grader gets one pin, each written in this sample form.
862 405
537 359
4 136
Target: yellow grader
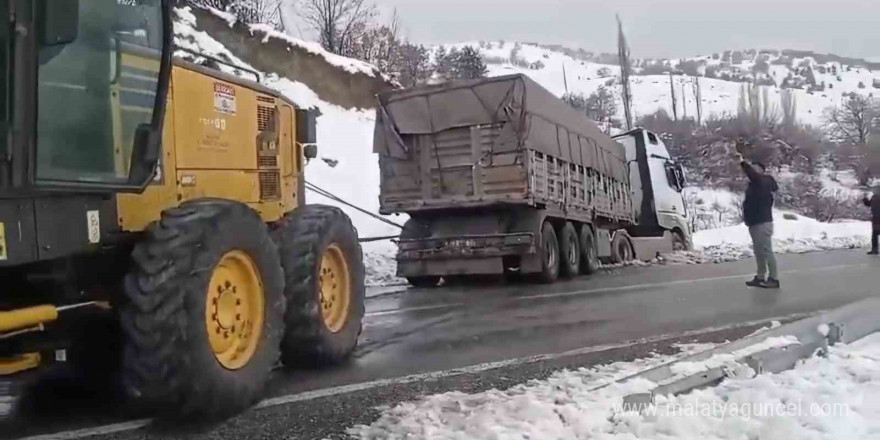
169 197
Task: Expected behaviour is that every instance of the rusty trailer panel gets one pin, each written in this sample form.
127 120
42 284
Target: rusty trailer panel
453 166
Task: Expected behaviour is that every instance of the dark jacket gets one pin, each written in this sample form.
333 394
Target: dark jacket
874 204
758 205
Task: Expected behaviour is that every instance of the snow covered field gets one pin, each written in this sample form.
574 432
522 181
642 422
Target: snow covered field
793 234
835 397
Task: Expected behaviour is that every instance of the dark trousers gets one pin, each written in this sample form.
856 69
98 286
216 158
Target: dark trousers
875 235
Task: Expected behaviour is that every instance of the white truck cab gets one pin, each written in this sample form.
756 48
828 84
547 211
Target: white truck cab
657 184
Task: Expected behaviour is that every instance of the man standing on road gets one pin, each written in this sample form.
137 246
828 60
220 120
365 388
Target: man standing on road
874 203
758 216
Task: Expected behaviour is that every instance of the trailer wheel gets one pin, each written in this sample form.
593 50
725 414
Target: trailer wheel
621 248
203 312
569 251
678 241
589 251
424 281
549 254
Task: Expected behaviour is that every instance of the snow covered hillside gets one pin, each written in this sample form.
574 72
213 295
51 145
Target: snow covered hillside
833 397
554 69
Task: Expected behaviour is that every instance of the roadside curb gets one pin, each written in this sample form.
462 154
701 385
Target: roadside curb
814 335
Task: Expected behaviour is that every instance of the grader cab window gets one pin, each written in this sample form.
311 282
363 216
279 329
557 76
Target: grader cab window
95 90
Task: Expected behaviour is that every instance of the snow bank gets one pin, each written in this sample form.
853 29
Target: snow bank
823 398
348 64
793 234
536 410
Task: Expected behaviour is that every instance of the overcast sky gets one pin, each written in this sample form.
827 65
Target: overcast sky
655 28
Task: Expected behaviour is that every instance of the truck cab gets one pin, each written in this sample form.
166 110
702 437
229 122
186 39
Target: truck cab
657 183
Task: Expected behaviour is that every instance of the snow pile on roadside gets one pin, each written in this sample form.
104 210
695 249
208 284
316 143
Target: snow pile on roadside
793 234
822 398
380 264
516 413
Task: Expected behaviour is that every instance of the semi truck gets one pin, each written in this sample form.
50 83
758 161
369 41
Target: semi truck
499 176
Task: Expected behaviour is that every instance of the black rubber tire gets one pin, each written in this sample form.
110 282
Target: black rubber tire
569 251
621 248
303 236
168 364
589 251
549 251
678 241
424 281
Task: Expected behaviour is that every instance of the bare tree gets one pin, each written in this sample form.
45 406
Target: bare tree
601 106
853 121
852 124
246 11
414 65
337 22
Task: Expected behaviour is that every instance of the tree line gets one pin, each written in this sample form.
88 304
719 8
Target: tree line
847 140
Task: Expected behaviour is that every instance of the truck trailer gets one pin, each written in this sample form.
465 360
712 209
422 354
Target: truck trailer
499 176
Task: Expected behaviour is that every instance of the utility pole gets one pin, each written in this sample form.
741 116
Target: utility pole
684 101
674 101
698 96
565 78
625 71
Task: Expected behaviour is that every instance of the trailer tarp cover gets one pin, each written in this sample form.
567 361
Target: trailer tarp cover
542 121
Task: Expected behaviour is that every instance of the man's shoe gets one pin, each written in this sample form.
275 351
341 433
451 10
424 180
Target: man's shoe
755 282
770 284
873 253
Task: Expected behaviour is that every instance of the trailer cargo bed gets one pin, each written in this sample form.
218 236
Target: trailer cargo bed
499 141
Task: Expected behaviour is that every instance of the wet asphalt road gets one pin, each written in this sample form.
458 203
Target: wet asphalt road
490 330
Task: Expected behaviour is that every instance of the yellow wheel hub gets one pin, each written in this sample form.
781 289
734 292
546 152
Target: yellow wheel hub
234 310
335 288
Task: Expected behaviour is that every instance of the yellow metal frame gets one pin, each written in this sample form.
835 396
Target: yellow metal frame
17 364
212 151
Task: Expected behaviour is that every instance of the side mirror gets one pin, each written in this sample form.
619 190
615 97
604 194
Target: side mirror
147 149
310 151
306 126
57 22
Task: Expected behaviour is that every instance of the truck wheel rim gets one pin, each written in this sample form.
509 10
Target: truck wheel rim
235 309
335 288
551 253
572 251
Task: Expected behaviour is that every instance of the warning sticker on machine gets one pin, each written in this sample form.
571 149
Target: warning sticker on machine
224 98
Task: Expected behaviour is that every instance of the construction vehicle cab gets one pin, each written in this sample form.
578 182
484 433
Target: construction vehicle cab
166 198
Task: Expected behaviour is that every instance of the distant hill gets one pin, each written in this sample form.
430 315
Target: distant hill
817 81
